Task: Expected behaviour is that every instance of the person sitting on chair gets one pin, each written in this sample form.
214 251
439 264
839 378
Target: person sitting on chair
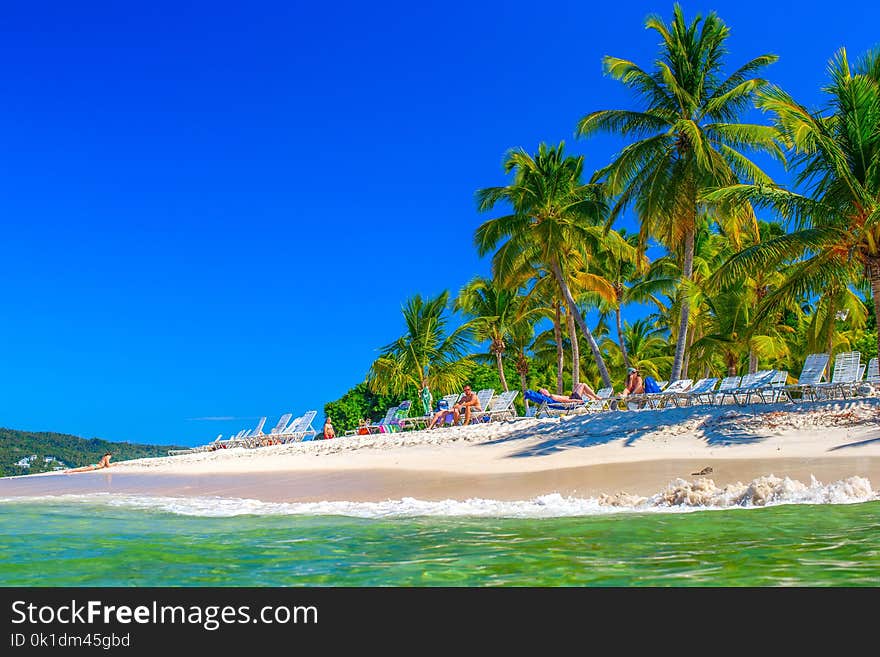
468 403
634 385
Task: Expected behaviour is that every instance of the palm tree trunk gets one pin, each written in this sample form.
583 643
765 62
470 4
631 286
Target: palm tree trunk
687 272
581 323
560 353
620 339
575 351
753 361
498 354
522 385
874 274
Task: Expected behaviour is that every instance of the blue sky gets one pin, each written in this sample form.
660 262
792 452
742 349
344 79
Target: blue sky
216 210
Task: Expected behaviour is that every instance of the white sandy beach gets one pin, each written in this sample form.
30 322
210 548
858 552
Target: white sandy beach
613 455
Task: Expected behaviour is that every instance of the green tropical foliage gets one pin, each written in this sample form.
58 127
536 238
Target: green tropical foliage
687 141
46 451
427 349
728 293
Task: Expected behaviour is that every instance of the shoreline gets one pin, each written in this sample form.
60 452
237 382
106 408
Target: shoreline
635 453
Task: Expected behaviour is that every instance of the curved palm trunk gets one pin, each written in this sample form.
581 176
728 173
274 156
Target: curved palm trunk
575 351
522 385
582 325
874 275
560 353
498 354
687 273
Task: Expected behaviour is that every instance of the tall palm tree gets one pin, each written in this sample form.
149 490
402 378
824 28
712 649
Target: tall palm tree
689 140
554 215
620 268
427 349
493 311
836 154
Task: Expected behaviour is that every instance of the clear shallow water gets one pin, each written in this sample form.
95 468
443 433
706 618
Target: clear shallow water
122 543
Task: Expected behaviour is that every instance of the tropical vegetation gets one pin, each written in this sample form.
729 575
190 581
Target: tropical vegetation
731 271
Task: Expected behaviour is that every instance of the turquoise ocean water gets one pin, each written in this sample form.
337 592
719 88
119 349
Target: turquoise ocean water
104 541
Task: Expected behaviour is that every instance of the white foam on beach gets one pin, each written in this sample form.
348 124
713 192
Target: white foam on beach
678 496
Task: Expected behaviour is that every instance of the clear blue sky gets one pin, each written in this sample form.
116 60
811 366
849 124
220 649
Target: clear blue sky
215 210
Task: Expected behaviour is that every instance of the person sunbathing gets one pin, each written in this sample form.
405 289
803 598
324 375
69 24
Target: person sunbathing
103 463
579 392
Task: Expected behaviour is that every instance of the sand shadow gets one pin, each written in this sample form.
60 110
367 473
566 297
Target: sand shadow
718 426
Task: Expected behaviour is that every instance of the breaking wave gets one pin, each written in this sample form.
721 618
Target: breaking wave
678 496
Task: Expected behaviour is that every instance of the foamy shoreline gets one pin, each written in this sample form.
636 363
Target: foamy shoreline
609 456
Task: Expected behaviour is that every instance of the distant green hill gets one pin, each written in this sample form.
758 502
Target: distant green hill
26 452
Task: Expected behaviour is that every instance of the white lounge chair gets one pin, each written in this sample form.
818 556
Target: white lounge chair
299 430
702 391
872 375
846 371
725 388
776 389
500 408
751 385
811 375
281 425
484 397
657 399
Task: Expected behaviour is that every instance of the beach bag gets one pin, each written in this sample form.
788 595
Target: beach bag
651 385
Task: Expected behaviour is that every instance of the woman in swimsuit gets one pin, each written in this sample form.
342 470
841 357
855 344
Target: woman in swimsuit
103 463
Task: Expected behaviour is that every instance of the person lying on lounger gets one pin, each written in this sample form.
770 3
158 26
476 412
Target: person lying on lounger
579 392
103 463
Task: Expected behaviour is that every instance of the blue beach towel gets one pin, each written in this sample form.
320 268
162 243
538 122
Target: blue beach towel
651 385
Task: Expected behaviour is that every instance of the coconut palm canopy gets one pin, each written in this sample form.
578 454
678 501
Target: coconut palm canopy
730 293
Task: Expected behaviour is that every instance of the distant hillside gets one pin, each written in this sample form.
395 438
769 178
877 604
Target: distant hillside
25 452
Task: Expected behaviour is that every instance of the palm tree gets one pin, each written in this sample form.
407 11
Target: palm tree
425 350
836 241
620 268
688 140
554 215
493 312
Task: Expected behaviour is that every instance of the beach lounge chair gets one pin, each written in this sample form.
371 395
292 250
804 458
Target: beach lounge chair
701 392
383 425
201 448
846 369
601 404
402 412
546 406
728 384
751 385
811 375
777 389
657 399
872 375
281 425
500 408
300 430
669 393
484 397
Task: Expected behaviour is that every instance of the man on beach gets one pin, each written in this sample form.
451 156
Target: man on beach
468 403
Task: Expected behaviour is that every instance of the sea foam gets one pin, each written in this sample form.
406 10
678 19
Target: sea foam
678 496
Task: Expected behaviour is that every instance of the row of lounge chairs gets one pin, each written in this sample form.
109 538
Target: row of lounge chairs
767 386
493 408
285 431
